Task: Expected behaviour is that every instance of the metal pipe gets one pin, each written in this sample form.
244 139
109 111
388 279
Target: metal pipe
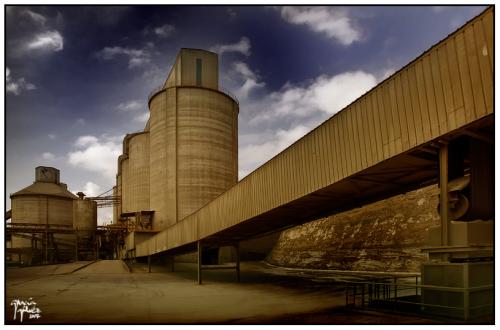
443 196
46 230
363 295
98 246
199 262
395 289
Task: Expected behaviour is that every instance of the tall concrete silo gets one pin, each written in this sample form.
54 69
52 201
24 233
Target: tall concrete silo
193 133
138 171
133 173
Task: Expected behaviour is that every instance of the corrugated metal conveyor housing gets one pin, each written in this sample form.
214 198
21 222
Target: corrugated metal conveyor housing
378 146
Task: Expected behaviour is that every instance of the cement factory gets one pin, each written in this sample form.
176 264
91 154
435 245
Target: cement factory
177 195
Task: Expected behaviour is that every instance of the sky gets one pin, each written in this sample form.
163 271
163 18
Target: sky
77 78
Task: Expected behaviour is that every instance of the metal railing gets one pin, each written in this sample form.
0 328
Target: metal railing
391 294
222 90
227 92
155 91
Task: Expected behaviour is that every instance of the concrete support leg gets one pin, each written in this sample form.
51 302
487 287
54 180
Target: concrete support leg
443 196
149 264
199 262
172 263
98 247
237 250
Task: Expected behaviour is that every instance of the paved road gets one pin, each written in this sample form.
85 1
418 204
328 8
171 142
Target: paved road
105 267
105 292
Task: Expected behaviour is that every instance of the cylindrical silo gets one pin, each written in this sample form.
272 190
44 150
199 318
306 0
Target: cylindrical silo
125 178
207 147
84 215
138 172
193 139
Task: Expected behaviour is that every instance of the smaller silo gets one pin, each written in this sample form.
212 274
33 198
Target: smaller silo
85 225
84 215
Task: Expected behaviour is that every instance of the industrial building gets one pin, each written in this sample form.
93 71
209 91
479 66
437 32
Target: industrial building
49 224
50 220
177 190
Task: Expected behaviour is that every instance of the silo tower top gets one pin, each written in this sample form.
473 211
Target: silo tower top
194 67
47 174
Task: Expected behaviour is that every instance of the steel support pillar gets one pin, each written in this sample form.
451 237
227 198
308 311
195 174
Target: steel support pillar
199 262
172 263
443 196
149 264
76 245
237 250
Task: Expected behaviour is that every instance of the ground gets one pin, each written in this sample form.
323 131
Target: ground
107 292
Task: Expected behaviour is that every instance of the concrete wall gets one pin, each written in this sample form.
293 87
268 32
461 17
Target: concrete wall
42 209
183 72
383 236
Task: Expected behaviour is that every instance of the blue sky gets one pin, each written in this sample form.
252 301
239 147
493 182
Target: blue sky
78 77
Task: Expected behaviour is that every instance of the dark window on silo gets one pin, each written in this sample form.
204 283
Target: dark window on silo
198 72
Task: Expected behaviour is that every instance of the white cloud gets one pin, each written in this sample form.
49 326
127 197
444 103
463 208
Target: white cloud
142 118
244 70
91 189
249 80
136 57
51 40
334 23
283 117
231 13
48 156
325 94
105 216
16 86
81 121
130 106
96 154
438 9
36 17
242 46
164 31
86 140
387 72
52 136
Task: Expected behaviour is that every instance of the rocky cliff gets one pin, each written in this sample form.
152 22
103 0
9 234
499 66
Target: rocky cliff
383 236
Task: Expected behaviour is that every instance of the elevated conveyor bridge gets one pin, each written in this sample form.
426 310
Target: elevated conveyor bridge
385 143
